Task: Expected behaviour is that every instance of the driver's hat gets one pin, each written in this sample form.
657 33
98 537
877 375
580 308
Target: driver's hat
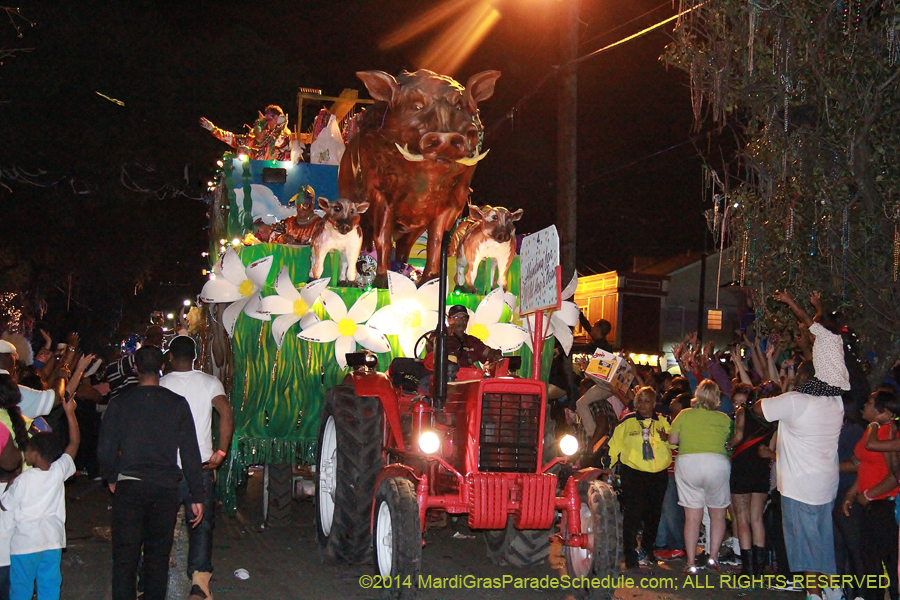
457 309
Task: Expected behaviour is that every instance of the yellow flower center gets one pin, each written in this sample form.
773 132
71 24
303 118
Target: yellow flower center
480 331
300 307
412 319
346 327
246 287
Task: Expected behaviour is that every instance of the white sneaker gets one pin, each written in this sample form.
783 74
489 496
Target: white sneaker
833 593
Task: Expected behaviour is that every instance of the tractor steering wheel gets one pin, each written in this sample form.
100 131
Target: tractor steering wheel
419 341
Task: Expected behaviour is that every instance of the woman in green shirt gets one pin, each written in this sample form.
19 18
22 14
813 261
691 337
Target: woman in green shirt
702 469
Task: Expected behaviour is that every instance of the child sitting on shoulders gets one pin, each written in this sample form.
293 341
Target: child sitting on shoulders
831 375
35 505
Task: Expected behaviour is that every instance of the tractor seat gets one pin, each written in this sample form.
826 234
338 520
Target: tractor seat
405 373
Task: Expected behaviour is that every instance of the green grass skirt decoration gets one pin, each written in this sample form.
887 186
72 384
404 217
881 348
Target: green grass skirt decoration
277 393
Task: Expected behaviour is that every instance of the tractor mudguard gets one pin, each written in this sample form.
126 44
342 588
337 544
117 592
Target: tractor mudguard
392 470
589 474
379 386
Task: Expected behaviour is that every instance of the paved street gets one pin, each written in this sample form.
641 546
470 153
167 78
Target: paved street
284 564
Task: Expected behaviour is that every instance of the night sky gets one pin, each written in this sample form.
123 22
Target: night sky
81 238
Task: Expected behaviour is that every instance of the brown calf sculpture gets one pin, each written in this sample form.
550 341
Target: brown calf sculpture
489 232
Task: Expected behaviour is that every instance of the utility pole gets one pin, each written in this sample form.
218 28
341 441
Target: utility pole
567 139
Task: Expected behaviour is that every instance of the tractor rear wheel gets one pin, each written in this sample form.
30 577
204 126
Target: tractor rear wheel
348 460
517 547
397 537
601 521
280 495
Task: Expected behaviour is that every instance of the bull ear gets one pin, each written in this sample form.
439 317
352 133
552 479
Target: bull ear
323 203
381 85
475 212
480 87
362 207
515 216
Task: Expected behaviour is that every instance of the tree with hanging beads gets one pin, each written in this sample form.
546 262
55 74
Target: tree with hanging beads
810 200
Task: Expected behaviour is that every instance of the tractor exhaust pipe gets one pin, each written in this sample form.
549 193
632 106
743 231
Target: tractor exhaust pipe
440 342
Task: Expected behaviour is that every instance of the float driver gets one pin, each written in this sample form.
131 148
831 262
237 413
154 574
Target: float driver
463 350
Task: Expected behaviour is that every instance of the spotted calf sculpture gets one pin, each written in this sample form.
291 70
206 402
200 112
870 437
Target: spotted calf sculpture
338 230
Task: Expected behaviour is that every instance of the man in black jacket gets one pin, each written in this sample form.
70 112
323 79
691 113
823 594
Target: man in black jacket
143 431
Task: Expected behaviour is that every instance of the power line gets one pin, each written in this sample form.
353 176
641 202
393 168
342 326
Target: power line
555 69
638 34
617 27
605 174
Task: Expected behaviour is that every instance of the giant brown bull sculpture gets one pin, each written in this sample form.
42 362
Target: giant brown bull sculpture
413 160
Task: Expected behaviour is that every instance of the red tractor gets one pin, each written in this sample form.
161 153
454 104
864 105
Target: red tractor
389 454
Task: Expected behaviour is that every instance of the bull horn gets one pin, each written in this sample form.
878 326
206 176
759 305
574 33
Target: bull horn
409 155
471 161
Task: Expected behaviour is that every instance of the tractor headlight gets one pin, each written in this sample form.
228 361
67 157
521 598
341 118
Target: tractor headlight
568 444
429 442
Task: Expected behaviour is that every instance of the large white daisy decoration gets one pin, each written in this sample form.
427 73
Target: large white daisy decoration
562 321
292 305
484 324
347 327
411 313
233 283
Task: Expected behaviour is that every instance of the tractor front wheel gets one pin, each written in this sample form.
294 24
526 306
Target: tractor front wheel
397 537
601 522
348 460
518 548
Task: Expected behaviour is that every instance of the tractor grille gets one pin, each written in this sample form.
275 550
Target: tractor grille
510 428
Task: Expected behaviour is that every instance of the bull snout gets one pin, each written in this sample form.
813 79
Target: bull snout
444 145
344 227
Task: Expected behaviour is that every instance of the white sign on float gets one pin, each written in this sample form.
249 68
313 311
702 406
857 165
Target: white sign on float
540 272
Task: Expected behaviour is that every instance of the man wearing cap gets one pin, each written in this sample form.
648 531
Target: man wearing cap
463 349
34 403
203 393
121 374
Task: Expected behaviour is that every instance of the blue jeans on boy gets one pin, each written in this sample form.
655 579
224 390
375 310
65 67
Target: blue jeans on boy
43 567
200 537
671 523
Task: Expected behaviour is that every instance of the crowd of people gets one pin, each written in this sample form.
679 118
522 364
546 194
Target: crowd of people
764 436
139 420
768 439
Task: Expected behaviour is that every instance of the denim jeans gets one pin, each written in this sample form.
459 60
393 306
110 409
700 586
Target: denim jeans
808 536
4 583
671 523
201 536
143 518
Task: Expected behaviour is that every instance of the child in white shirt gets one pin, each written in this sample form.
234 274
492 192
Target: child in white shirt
831 377
36 512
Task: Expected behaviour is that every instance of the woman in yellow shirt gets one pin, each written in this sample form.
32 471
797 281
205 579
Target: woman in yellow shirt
639 444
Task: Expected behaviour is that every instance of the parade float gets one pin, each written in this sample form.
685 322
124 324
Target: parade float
301 313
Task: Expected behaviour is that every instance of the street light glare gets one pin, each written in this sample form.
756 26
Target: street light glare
470 22
422 23
457 42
